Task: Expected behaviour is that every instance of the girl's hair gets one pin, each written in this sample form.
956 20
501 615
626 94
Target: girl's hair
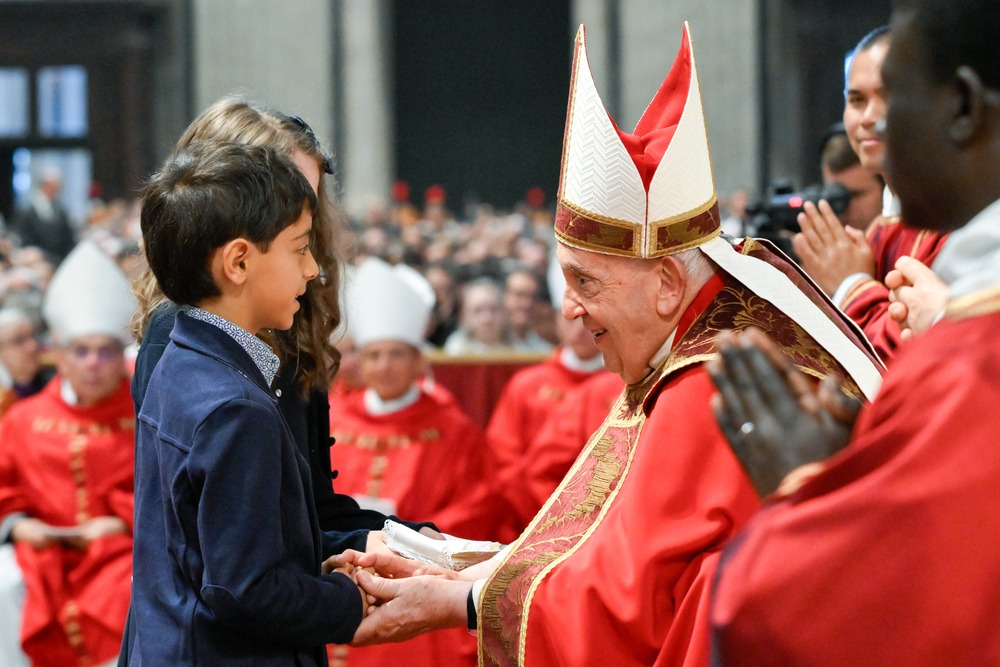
306 347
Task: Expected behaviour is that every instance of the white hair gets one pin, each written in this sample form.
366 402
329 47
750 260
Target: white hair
697 265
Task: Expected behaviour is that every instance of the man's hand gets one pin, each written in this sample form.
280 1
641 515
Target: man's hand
410 607
773 416
92 529
384 563
33 532
829 251
918 296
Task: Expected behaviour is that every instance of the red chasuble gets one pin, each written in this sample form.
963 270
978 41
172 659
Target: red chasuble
867 302
527 400
64 465
889 556
615 569
429 459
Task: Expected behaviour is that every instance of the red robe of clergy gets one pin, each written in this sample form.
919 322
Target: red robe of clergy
867 302
530 396
890 555
429 459
64 465
562 437
615 569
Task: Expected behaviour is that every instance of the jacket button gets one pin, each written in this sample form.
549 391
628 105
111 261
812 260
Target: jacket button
277 392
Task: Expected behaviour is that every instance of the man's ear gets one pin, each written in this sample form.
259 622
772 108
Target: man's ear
234 256
972 105
673 280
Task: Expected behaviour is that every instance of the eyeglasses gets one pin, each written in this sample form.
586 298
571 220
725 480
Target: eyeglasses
18 341
308 131
104 353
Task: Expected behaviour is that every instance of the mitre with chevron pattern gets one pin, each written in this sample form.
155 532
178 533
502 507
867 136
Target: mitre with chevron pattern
646 194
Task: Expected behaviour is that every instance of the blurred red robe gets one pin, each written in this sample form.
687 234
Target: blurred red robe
562 437
64 465
429 460
867 301
530 396
890 555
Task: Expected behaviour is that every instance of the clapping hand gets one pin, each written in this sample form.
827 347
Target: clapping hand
829 251
774 417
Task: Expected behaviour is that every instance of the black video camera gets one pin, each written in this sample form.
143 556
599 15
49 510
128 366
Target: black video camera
775 217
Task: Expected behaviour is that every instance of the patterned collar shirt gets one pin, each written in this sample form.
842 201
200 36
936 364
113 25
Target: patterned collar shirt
263 356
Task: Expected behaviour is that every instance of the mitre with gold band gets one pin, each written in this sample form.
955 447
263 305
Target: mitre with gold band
646 194
652 193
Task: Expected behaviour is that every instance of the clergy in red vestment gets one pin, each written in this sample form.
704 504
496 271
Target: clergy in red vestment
886 553
616 567
66 473
530 396
402 449
850 267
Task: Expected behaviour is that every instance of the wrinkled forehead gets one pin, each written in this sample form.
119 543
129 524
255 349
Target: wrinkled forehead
576 260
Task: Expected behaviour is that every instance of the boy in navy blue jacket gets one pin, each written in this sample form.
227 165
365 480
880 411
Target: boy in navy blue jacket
228 552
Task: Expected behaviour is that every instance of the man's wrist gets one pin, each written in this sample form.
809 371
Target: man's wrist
845 286
472 621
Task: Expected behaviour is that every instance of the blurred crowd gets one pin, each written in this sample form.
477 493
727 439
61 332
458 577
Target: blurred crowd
490 269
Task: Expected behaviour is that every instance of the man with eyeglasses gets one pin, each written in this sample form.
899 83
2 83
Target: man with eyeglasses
22 373
66 473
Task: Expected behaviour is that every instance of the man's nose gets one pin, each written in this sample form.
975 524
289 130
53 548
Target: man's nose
571 306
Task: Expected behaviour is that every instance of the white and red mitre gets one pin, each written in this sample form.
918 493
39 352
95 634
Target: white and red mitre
89 294
384 302
646 194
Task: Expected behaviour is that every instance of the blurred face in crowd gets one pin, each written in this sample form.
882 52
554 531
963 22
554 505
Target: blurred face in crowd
389 367
444 289
866 106
50 186
19 350
615 299
349 371
575 335
482 314
519 299
866 194
94 365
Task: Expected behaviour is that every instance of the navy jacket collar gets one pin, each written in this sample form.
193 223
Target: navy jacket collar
213 342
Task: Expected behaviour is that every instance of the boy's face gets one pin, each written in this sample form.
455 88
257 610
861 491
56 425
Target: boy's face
279 276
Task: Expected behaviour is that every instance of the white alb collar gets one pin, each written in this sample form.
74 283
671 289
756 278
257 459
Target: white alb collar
569 360
890 204
969 260
375 406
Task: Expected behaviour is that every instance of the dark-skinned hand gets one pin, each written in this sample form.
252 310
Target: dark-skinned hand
773 415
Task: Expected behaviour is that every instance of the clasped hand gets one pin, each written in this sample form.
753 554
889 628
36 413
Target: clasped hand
403 598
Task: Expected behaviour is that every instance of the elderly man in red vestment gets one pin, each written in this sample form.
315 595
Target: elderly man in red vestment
886 554
615 568
66 473
849 266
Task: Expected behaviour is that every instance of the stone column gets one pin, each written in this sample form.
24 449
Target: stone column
276 53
